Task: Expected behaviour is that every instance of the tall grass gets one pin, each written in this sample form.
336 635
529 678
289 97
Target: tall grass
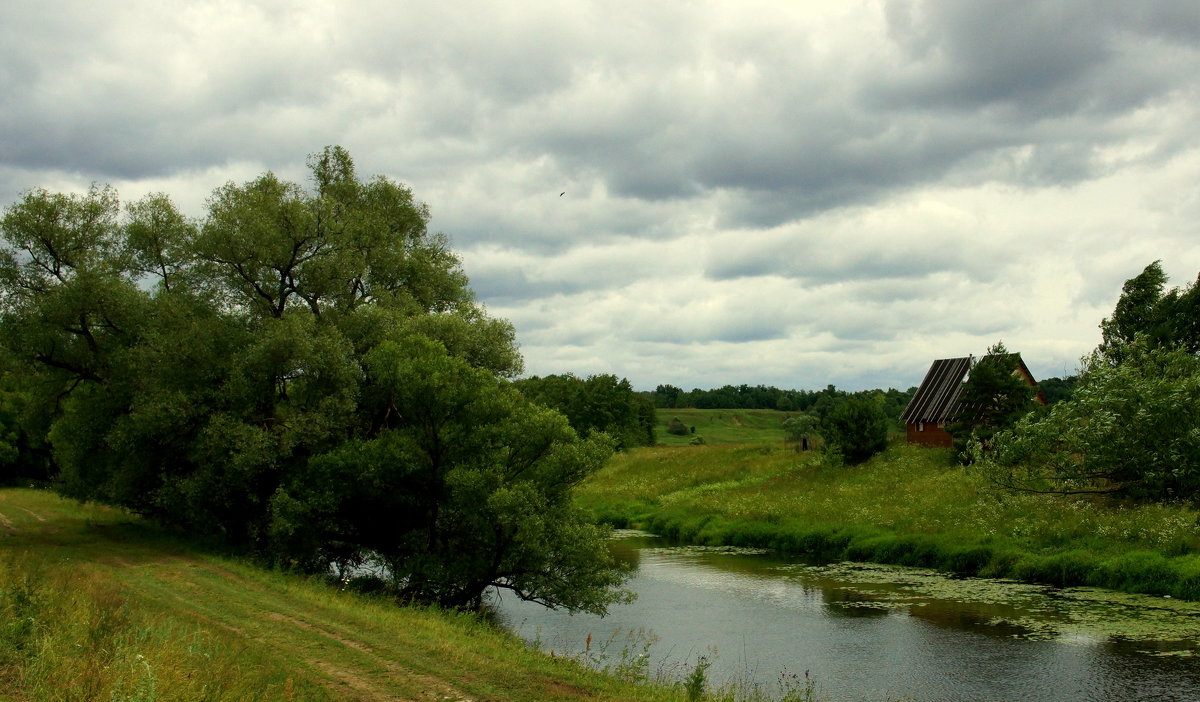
69 633
908 506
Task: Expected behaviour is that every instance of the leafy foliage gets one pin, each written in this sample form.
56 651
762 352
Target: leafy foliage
1130 425
598 403
993 398
857 428
10 430
250 375
800 429
468 486
1130 429
1057 389
1136 310
1167 318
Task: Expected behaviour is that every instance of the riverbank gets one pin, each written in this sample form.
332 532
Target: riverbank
907 506
98 605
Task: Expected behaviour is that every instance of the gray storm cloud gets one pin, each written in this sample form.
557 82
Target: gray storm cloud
749 187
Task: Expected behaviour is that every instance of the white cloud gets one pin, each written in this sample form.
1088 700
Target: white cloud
766 192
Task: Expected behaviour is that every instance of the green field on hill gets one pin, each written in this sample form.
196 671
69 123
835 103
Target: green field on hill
721 426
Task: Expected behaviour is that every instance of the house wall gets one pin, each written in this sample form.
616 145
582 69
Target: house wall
929 435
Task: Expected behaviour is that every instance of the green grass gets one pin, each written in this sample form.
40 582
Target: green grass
718 426
98 605
908 506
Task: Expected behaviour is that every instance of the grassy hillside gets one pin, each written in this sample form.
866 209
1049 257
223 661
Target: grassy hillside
719 426
909 506
96 605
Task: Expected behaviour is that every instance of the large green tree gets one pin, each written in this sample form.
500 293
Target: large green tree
1129 429
1166 318
857 428
246 374
467 485
1129 425
992 399
800 429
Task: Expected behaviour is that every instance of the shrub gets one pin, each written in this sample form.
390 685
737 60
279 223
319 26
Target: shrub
857 429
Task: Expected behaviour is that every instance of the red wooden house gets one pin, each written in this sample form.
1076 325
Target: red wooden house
935 405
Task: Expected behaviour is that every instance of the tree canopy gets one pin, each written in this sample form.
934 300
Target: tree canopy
1130 429
800 429
1167 318
301 371
993 397
598 403
857 428
1129 426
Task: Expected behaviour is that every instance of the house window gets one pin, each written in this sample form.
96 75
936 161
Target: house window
920 426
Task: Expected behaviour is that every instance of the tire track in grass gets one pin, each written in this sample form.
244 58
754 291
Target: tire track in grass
269 618
197 605
436 688
33 514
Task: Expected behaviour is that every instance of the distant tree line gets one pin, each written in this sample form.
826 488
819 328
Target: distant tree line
817 402
855 425
1057 389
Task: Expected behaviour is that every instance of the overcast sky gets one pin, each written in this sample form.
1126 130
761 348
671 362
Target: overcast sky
786 193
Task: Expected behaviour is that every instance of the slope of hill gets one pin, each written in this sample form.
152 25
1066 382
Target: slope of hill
721 426
98 605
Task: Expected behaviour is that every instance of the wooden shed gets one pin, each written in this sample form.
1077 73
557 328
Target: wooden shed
935 405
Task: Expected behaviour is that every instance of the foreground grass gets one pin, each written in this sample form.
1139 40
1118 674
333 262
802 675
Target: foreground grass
908 506
97 605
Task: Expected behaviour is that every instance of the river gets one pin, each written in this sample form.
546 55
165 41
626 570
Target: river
865 632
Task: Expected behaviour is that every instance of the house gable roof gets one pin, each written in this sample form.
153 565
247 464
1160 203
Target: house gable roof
936 400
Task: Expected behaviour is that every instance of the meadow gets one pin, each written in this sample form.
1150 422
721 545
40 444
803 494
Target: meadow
907 506
736 426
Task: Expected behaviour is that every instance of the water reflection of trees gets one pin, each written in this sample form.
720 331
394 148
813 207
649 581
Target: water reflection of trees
992 620
846 602
628 551
844 597
849 600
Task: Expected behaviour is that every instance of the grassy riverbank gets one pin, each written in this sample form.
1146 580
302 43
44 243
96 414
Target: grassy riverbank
908 506
97 605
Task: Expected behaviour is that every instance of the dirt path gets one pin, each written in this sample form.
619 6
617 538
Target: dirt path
33 514
435 689
350 663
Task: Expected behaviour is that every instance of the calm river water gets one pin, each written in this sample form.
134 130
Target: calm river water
879 633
